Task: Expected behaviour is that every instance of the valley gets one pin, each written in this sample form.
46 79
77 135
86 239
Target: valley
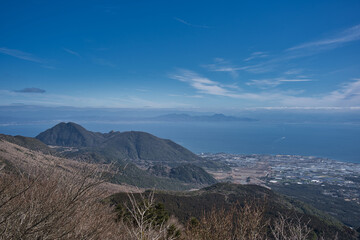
324 192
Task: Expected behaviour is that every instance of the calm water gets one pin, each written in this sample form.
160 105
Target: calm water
336 141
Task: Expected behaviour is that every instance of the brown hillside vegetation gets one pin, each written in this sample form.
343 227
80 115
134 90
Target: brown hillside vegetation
46 197
15 157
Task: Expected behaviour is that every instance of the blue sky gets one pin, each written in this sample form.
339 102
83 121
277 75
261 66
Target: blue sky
202 55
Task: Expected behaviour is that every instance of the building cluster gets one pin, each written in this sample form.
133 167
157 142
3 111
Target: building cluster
337 179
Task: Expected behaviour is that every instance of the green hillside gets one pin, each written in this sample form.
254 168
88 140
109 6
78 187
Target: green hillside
133 149
70 135
190 173
132 145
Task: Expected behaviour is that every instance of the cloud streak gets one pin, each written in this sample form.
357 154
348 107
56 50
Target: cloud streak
273 82
190 24
348 35
102 62
277 60
202 84
31 90
72 52
221 65
347 95
20 55
255 55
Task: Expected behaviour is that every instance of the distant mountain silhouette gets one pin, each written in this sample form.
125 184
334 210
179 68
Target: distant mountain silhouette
210 118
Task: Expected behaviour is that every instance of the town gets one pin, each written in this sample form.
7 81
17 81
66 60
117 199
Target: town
336 179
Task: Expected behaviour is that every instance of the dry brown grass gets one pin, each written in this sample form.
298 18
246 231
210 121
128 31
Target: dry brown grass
239 222
45 197
47 204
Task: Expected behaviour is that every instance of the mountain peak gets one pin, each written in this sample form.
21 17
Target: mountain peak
125 145
70 135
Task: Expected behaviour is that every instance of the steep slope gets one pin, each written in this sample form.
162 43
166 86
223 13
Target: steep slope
27 142
185 205
144 146
70 135
139 149
15 158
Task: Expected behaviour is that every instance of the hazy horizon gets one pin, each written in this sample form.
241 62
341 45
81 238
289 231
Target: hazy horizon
291 69
208 55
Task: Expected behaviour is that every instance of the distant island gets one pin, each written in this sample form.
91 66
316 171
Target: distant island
183 117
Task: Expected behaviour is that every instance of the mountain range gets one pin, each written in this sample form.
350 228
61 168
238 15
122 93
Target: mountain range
142 153
132 145
69 146
183 117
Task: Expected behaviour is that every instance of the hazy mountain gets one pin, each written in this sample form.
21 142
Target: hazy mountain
182 117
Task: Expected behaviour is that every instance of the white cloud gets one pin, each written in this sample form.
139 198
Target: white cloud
273 82
190 24
348 95
349 35
255 55
102 62
203 85
20 54
48 99
293 71
293 53
221 65
71 52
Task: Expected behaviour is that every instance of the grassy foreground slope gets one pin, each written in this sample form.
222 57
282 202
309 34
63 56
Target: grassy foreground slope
185 205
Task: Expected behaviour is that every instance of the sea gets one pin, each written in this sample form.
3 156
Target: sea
337 141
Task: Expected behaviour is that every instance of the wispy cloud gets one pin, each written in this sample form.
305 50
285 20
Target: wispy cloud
72 52
102 62
31 90
190 24
273 82
21 55
347 95
293 71
348 35
271 63
8 97
221 65
202 84
255 55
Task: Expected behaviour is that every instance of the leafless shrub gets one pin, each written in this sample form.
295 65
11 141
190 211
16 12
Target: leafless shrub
239 222
284 228
51 204
216 224
141 225
249 222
